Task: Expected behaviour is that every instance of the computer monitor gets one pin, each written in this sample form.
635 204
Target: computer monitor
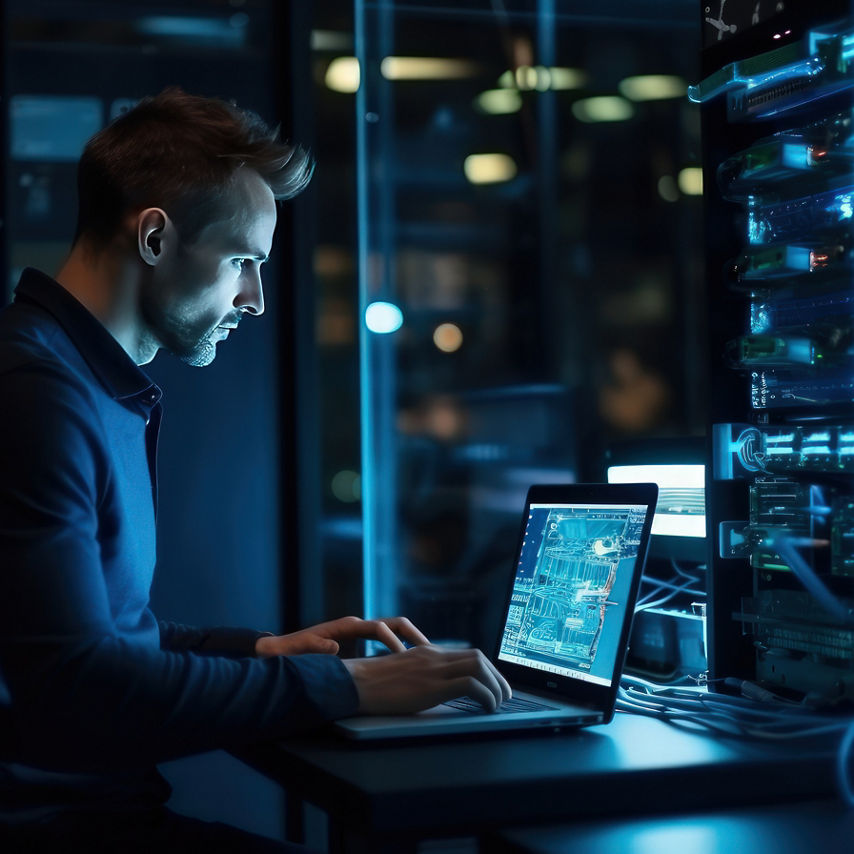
678 466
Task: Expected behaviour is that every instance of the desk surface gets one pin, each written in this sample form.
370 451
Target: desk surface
783 829
632 765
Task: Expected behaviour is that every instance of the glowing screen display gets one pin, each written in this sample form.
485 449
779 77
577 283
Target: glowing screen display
573 580
681 507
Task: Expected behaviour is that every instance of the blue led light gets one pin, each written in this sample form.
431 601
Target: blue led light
383 317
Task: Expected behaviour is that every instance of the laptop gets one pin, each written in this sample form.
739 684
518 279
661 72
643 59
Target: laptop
565 626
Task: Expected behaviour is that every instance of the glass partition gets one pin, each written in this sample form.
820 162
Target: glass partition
529 264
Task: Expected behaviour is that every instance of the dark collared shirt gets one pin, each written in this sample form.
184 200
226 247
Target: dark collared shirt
89 681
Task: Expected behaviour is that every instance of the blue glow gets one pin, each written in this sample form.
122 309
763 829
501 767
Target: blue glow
383 317
760 318
795 156
808 68
783 437
178 26
845 207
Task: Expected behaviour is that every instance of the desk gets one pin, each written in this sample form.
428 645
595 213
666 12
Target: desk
807 828
386 798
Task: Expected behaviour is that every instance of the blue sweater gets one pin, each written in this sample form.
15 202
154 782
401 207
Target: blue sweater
93 690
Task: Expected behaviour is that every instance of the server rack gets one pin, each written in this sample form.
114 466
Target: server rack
778 131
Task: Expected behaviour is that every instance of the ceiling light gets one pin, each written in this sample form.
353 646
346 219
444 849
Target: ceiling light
653 87
604 108
499 102
426 68
542 78
567 78
489 168
691 181
343 74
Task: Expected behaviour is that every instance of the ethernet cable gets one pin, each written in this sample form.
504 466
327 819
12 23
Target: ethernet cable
770 718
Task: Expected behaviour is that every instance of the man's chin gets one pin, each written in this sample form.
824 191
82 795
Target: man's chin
200 356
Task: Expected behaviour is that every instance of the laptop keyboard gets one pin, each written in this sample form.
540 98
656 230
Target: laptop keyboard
514 704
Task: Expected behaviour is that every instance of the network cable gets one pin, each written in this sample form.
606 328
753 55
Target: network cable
757 714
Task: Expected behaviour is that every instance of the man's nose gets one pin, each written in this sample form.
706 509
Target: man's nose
251 296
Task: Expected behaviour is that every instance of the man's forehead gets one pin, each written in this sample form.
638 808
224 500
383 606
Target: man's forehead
247 217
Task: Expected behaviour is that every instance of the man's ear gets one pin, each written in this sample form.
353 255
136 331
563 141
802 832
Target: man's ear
152 227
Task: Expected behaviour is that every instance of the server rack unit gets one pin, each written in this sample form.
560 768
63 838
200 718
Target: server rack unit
778 126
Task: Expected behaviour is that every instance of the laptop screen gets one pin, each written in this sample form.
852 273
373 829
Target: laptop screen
573 589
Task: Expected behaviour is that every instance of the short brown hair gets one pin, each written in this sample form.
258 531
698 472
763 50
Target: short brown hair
179 152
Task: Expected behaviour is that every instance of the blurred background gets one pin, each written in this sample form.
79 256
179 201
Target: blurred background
494 278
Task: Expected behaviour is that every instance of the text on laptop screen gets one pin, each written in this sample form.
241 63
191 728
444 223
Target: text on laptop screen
572 583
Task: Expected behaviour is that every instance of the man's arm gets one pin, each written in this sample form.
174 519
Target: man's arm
87 693
88 684
217 640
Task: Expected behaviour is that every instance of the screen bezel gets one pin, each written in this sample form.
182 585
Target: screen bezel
590 694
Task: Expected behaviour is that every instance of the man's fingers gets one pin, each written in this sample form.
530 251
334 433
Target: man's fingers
405 629
423 676
484 678
384 634
388 631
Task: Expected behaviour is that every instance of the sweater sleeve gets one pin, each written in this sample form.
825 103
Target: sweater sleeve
81 691
216 640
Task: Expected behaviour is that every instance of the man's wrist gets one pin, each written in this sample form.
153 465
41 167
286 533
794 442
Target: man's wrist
262 644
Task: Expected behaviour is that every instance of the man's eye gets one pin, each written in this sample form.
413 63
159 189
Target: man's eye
239 263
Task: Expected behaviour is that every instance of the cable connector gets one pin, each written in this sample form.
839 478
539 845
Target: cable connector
752 691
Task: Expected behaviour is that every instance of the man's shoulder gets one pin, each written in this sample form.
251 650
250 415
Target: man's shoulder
39 362
33 341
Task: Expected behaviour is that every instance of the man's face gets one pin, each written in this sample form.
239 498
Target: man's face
200 291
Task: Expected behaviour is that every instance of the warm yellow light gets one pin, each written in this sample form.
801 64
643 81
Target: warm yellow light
507 80
567 78
489 168
542 78
448 337
343 75
653 87
529 78
499 102
604 108
691 181
426 68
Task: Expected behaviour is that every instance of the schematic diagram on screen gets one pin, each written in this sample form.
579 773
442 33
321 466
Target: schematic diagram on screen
563 593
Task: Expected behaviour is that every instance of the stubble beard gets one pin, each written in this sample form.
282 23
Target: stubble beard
201 355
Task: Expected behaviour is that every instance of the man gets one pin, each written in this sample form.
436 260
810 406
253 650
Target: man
177 213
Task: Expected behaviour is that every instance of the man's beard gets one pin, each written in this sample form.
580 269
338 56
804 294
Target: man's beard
201 355
180 340
204 351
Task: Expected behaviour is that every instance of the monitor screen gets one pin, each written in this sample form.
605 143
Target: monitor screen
570 598
681 507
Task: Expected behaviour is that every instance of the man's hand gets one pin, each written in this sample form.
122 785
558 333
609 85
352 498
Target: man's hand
325 637
424 676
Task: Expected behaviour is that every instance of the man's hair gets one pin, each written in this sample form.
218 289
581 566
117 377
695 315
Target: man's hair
179 152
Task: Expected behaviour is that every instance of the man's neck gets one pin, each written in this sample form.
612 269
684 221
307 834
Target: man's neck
107 284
